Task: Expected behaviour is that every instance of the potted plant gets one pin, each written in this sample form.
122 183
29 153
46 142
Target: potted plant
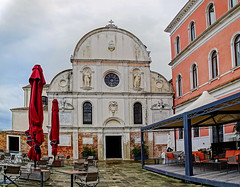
136 151
88 152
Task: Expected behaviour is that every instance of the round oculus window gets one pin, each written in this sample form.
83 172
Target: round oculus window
111 79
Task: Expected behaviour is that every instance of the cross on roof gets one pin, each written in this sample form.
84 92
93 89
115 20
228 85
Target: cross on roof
111 24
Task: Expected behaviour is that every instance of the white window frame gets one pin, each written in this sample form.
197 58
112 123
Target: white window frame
175 44
190 31
207 13
210 63
235 2
233 49
177 88
191 76
19 137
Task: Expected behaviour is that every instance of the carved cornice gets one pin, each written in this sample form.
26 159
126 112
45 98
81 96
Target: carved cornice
182 13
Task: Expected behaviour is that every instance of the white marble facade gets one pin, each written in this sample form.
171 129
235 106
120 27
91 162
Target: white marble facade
111 70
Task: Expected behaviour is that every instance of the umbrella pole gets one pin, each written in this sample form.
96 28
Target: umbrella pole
35 163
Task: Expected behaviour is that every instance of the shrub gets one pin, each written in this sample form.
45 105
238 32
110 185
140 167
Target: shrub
88 152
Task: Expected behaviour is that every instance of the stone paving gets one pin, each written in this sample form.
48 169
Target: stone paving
114 174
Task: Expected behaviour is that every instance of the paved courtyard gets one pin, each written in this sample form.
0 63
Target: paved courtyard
114 174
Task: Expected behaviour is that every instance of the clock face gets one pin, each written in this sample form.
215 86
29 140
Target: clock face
111 79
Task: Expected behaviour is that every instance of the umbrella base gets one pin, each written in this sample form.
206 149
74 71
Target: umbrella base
35 175
58 163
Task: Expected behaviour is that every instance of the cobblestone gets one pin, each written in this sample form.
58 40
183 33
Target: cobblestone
114 174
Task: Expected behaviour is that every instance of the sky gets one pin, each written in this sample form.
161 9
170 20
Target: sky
46 32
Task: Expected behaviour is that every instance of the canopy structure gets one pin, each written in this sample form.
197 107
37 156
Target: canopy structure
205 111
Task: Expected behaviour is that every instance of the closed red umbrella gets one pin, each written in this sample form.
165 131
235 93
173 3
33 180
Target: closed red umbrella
54 133
35 132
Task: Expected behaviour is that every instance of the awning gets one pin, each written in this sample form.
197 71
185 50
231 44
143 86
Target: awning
205 111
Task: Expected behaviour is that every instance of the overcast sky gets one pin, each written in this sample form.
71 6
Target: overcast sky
46 32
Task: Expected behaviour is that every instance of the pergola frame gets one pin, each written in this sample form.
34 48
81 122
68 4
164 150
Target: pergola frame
223 111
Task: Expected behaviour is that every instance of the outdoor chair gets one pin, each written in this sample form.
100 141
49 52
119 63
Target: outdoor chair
42 164
229 153
68 159
80 166
11 174
7 157
233 160
25 157
2 157
13 157
200 158
61 157
169 158
91 179
90 160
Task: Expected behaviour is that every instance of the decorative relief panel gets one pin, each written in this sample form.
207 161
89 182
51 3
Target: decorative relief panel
159 83
111 46
65 81
65 104
65 118
113 107
87 140
137 140
64 140
161 139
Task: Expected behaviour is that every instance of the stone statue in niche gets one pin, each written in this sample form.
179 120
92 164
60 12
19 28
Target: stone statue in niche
136 79
87 76
113 107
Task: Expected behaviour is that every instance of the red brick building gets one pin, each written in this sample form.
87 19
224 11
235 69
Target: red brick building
205 51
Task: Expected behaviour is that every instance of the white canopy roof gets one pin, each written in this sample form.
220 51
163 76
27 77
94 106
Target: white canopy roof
204 99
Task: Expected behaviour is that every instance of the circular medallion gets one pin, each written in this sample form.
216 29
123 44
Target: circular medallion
111 79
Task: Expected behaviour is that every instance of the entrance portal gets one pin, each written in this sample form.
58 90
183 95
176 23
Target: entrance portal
113 147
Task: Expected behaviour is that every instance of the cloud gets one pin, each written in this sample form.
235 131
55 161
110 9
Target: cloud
46 32
11 97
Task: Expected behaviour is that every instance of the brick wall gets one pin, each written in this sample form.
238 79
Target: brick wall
81 145
23 139
159 148
66 150
132 136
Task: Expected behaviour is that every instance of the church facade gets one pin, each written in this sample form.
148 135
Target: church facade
106 97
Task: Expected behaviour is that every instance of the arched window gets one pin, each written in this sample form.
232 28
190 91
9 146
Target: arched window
192 31
194 76
87 113
137 109
44 100
179 85
211 14
237 50
232 3
214 64
177 44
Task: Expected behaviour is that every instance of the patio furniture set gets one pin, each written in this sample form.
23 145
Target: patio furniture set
84 173
228 159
